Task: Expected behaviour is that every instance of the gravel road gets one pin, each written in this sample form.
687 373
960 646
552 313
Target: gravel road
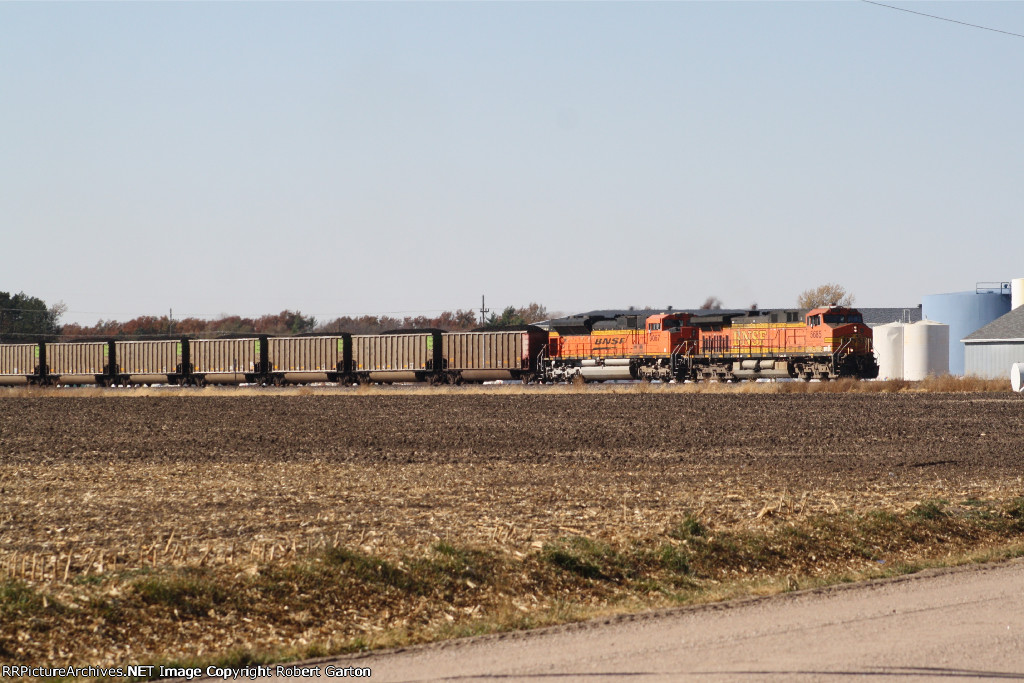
962 624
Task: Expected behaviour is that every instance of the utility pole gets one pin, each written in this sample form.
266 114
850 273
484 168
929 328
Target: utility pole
170 321
483 310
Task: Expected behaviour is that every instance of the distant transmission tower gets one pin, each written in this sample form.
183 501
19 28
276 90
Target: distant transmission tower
483 310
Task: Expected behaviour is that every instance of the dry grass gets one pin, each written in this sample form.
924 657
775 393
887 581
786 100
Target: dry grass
341 598
190 562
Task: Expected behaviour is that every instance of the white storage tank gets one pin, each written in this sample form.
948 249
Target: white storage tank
925 350
1017 376
888 343
1016 292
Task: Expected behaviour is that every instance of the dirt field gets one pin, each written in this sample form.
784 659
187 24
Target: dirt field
102 487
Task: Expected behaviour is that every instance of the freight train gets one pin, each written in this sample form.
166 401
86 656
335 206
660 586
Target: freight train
824 343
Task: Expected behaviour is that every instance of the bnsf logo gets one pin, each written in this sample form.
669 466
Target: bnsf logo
603 342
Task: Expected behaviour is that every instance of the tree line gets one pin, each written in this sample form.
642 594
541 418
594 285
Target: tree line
24 319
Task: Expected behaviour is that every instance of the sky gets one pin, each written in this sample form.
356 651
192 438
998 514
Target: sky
404 158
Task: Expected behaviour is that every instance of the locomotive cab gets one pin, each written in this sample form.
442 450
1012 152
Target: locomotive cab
834 316
841 332
838 330
669 333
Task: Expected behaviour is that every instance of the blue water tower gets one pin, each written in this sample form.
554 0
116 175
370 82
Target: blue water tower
966 312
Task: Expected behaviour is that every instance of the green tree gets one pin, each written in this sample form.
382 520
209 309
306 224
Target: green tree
286 322
25 318
527 315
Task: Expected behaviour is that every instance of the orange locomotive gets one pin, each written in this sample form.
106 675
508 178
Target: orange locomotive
655 351
824 343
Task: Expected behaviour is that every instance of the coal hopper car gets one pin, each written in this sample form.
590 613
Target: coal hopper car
404 356
228 360
21 364
489 355
163 361
77 363
301 360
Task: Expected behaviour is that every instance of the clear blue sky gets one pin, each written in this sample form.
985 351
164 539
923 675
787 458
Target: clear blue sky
348 158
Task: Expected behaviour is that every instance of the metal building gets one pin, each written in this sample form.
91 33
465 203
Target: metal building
991 351
966 312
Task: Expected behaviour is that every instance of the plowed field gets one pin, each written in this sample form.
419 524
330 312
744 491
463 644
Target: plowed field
95 485
116 472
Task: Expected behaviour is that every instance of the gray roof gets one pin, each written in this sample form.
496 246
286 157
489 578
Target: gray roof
1009 326
881 316
647 312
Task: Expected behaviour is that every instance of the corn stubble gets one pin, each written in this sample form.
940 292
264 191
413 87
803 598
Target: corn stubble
226 528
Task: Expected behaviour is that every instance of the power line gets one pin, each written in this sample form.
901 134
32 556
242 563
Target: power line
953 21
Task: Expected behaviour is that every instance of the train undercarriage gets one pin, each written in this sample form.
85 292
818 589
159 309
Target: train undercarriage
709 368
605 369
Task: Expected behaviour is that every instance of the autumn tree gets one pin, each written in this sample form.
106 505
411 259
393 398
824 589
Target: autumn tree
285 323
829 294
457 321
453 321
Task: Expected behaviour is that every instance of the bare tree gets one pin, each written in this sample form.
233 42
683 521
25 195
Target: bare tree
712 303
829 294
